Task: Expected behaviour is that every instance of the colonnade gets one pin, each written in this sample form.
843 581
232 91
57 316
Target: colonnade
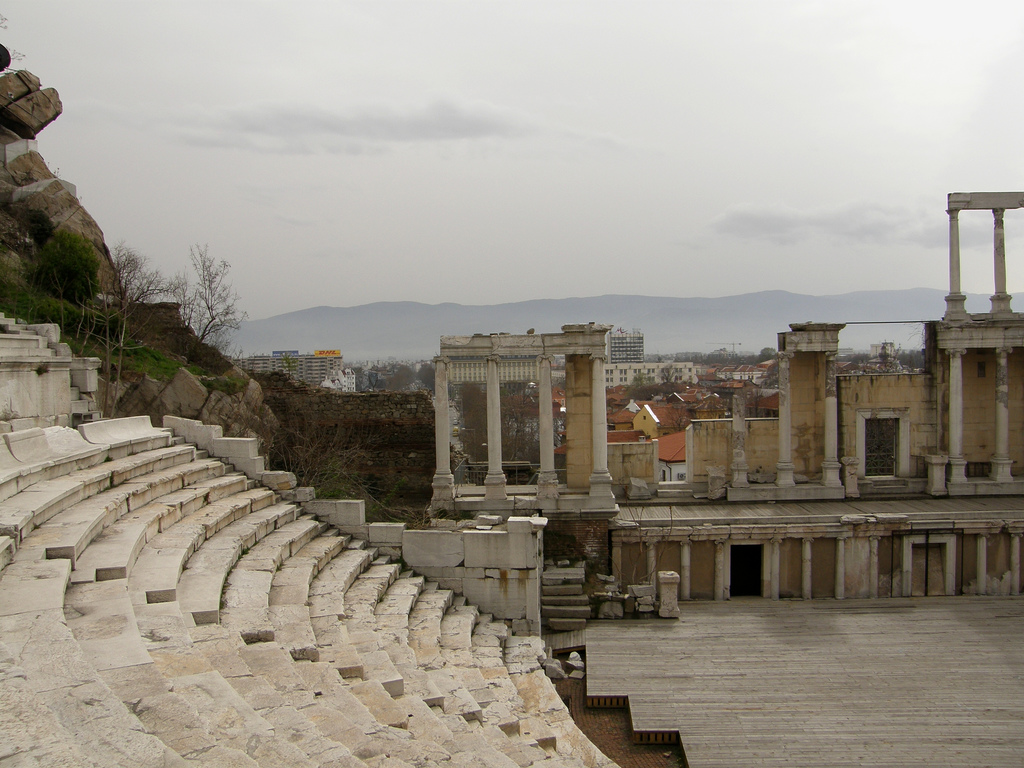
495 481
772 561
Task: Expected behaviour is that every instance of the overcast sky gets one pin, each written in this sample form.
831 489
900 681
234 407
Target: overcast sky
340 153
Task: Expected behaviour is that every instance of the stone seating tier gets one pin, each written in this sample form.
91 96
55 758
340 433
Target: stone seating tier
362 663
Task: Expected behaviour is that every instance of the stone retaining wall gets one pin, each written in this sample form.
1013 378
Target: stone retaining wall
395 430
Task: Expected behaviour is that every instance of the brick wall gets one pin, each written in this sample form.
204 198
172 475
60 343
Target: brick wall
394 430
576 538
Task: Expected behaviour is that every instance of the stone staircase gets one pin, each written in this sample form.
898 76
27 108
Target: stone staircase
33 354
159 608
563 605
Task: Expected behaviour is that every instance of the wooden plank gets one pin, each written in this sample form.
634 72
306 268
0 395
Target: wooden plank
862 682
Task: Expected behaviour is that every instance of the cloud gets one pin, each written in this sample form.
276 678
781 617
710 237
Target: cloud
353 130
859 223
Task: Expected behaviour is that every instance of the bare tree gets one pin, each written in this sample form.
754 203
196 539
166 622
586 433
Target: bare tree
131 283
209 303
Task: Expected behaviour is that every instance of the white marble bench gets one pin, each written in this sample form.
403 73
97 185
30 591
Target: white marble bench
125 436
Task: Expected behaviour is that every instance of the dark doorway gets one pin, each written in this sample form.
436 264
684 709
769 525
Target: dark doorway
745 570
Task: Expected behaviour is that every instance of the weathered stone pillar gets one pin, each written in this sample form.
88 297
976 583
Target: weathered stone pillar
547 482
775 566
720 569
840 590
784 468
955 300
444 481
684 568
1000 299
739 438
805 567
1001 460
651 550
1015 563
957 463
600 477
981 577
668 594
907 569
494 482
851 468
830 466
873 566
936 474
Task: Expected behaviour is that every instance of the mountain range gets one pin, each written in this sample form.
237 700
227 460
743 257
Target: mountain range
746 323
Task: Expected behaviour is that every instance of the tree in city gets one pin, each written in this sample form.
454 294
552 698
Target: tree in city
209 303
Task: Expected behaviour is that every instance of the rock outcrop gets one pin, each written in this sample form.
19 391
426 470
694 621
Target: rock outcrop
28 107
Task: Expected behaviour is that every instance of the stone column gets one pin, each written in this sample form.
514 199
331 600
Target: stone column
547 482
444 481
719 569
784 468
1015 563
955 299
957 463
873 567
494 482
840 590
907 569
851 467
668 594
775 566
981 576
830 466
684 568
1000 299
936 474
600 477
651 550
805 567
1001 460
739 439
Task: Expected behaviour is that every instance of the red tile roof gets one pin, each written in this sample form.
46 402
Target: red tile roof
672 448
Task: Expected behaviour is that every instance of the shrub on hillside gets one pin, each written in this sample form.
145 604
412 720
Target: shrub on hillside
40 228
67 267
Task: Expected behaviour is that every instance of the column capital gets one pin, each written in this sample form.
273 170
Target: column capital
776 540
842 537
545 357
494 357
997 214
956 351
787 356
442 360
1004 350
599 357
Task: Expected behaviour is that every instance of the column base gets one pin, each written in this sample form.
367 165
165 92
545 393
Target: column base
957 471
601 485
547 485
1001 470
494 487
784 474
936 475
830 474
739 475
444 491
1001 304
955 311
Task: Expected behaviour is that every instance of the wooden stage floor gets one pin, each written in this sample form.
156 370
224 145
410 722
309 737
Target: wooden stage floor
891 682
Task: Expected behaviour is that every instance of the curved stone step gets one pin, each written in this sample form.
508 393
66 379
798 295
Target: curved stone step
40 502
159 565
113 553
247 591
202 582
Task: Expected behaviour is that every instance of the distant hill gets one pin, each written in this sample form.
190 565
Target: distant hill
410 330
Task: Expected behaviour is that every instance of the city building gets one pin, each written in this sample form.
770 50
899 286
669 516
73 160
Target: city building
313 368
625 346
